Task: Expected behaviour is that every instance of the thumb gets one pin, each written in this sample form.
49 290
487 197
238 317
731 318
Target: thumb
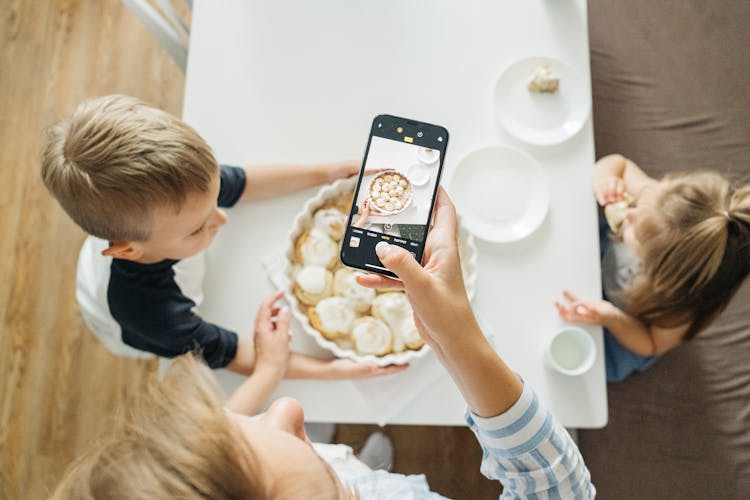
401 262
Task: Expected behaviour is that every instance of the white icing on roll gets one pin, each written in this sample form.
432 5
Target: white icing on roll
394 308
319 249
409 333
330 221
312 279
335 314
345 285
371 336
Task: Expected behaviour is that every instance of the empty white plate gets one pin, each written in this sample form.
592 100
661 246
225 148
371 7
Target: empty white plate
418 174
542 118
500 192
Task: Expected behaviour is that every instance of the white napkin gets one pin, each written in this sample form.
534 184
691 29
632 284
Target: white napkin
385 396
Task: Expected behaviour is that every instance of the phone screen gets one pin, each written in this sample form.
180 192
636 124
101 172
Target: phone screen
395 192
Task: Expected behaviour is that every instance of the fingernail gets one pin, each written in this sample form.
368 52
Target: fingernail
581 310
284 310
382 249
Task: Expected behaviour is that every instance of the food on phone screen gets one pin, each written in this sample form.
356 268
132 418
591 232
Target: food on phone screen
391 192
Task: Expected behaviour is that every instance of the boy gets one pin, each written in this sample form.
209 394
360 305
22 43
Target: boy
147 189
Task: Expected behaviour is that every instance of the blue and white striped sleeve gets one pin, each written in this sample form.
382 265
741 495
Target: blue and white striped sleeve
530 453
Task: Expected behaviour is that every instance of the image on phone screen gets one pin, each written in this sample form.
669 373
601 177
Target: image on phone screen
395 192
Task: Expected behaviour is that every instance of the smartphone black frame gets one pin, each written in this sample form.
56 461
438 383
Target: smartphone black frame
412 132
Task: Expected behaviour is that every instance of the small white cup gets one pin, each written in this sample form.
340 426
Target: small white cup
571 351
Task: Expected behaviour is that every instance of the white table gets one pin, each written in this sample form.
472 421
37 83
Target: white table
300 81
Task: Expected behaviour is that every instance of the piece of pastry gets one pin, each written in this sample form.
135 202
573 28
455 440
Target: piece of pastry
332 316
410 335
371 336
316 248
313 284
543 80
395 310
344 285
615 212
331 221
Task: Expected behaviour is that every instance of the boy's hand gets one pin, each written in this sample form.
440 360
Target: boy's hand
349 369
272 336
348 168
608 189
592 312
342 169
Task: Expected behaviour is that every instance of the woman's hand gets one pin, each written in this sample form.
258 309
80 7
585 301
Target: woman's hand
437 294
443 314
272 336
592 312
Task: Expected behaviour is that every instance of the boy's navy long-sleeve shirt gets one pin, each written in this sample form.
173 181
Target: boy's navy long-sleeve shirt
139 310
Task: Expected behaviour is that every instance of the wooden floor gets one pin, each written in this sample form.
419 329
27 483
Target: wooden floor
58 386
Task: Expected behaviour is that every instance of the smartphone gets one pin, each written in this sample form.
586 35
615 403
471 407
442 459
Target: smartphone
395 192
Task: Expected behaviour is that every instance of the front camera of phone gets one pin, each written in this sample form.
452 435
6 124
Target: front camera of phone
419 134
380 125
440 139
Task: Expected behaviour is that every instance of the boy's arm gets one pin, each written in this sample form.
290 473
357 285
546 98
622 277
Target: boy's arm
302 366
244 361
614 175
267 181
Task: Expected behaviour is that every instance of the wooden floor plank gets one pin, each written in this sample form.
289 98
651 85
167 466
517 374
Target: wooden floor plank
59 388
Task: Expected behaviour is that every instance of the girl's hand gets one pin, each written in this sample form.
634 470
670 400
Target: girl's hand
272 336
609 190
592 312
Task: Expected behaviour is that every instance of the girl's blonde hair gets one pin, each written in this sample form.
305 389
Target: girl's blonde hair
175 443
694 243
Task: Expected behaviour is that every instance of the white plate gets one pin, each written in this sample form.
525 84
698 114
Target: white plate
541 118
418 174
501 193
342 188
427 155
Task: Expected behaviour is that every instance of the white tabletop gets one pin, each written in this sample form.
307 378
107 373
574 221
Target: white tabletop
300 81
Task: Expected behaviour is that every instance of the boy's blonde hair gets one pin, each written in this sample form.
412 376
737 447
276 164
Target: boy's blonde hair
117 161
695 250
175 442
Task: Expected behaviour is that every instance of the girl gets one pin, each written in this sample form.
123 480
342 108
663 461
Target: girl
678 256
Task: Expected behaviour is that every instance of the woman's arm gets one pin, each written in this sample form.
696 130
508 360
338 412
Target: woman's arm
524 448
